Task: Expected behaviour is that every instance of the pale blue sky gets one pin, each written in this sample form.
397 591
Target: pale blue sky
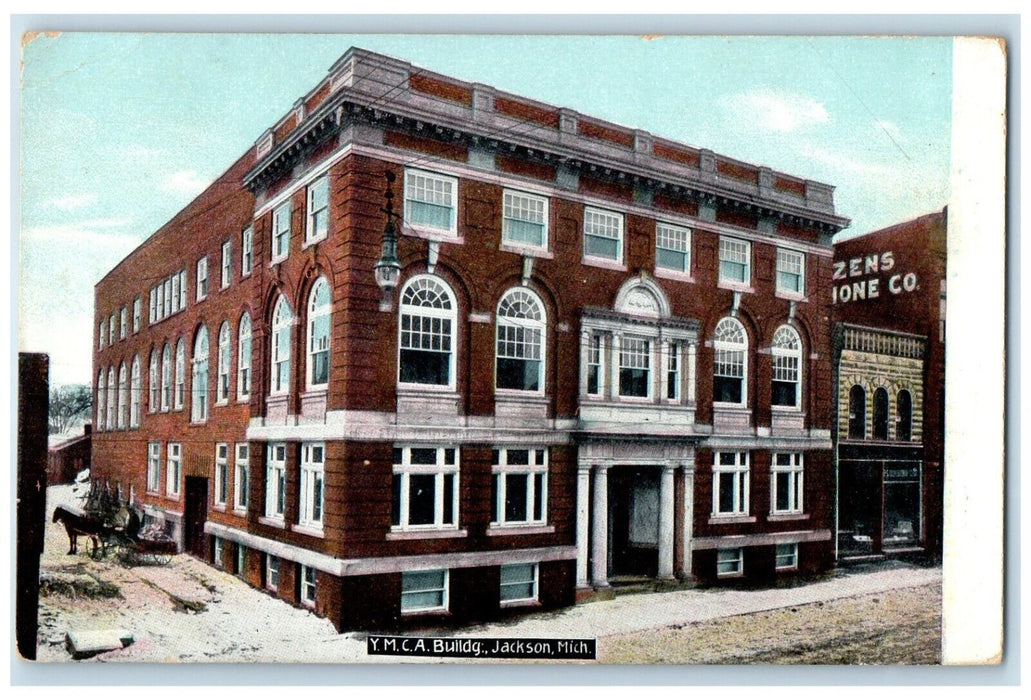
120 131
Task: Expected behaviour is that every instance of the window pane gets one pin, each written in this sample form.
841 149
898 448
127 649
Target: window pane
422 580
395 501
425 367
671 260
424 455
421 499
727 389
515 497
523 375
449 500
602 247
783 488
726 487
784 393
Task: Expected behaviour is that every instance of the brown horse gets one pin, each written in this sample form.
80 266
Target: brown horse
78 523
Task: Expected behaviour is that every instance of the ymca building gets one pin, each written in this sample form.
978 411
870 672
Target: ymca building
433 351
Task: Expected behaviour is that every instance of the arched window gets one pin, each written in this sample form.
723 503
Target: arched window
123 396
282 320
101 399
166 377
787 367
520 340
319 309
180 374
135 393
112 399
225 362
427 328
730 369
880 414
199 388
857 413
904 428
243 362
155 385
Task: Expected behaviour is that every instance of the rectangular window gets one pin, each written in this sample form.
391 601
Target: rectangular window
424 591
735 260
730 562
318 210
426 352
790 271
431 201
218 551
730 483
520 493
635 367
176 293
168 310
241 560
137 314
247 251
271 572
227 263
281 232
308 585
153 305
518 583
182 289
786 476
111 329
595 367
603 235
673 371
524 220
202 278
102 335
153 467
242 481
275 481
123 323
313 466
221 473
425 488
175 469
787 556
673 248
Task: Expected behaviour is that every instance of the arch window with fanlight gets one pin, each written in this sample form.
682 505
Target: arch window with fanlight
521 329
428 316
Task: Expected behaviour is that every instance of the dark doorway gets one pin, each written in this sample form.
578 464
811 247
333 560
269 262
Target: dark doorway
859 508
195 515
634 521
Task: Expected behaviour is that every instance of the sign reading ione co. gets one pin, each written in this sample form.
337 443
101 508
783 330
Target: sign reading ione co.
871 269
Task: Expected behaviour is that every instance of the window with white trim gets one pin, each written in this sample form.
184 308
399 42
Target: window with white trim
271 572
595 365
225 363
431 201
111 329
635 367
102 335
221 473
787 556
135 393
182 289
202 278
730 562
169 299
241 561
318 210
281 231
199 387
520 493
524 220
179 393
319 310
123 323
308 585
166 377
673 371
275 481
282 323
603 235
313 479
112 399
153 467
247 251
786 477
425 488
790 271
218 551
735 261
155 385
787 367
428 317
241 483
173 294
730 367
123 396
672 248
243 361
424 591
227 263
175 469
730 483
519 583
137 314
521 326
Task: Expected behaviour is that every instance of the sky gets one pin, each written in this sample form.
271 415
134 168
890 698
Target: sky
120 131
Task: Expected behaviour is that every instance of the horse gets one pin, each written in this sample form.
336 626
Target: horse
78 523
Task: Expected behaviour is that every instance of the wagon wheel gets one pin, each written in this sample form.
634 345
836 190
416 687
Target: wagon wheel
161 558
128 553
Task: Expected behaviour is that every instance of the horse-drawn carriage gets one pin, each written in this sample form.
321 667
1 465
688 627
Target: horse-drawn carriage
113 526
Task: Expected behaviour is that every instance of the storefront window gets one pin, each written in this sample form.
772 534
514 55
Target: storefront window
901 504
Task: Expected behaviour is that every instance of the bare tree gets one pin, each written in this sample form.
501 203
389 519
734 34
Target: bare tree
68 404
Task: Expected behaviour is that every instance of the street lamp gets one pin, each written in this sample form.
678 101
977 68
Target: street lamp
388 267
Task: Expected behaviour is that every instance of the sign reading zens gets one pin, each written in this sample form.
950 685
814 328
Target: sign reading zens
870 268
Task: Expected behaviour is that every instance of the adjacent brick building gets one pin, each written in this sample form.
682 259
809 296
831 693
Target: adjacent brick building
889 308
598 354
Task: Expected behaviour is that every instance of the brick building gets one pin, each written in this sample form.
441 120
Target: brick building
889 308
67 458
590 354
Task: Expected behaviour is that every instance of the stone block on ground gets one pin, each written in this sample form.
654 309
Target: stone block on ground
85 643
